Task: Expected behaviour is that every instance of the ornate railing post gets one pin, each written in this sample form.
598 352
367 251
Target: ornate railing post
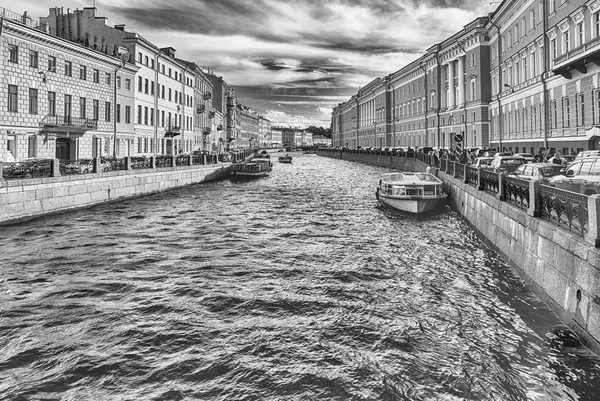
466 173
152 161
479 179
500 194
204 159
454 169
128 163
534 205
190 161
173 161
97 164
593 235
55 168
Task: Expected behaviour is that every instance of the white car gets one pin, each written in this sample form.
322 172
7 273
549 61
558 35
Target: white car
527 156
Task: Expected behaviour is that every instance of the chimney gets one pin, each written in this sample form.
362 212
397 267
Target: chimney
120 27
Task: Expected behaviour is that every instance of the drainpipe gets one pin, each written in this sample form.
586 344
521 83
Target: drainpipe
156 92
544 83
438 96
123 62
425 103
464 95
500 122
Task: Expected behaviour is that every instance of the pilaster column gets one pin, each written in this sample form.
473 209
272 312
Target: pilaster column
451 97
461 81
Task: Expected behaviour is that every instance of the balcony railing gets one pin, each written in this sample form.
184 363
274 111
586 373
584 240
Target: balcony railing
50 121
578 50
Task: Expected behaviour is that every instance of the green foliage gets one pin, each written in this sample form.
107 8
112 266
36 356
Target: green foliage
326 132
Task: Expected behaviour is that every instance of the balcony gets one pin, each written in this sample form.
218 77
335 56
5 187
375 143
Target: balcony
207 95
200 109
211 114
577 58
172 132
55 124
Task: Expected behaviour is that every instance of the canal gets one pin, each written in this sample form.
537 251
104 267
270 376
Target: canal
295 286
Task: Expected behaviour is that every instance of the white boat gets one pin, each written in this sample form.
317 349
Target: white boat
257 167
411 192
285 159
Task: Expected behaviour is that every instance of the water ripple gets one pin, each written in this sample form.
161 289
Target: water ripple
297 286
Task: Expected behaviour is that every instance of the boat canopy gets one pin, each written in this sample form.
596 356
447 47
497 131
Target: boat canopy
410 178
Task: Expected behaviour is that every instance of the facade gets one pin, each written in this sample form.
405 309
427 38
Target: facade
60 99
249 134
264 132
545 77
521 79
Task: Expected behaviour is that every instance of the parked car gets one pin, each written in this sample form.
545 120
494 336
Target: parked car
587 153
582 176
539 172
527 156
506 164
483 162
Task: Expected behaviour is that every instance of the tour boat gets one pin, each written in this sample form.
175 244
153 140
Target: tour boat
285 159
257 167
411 192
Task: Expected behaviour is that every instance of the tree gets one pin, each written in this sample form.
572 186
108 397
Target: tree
319 131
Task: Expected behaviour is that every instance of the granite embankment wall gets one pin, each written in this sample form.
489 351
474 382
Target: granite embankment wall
33 197
561 267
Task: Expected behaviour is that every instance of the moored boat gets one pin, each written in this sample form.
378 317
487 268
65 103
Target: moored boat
285 159
257 167
411 192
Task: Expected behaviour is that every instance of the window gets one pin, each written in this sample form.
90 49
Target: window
163 92
96 109
139 114
597 23
107 111
169 94
533 66
579 34
139 57
532 18
33 59
127 114
13 97
127 84
552 5
145 115
145 86
118 82
152 116
107 78
162 118
13 54
473 89
473 60
169 72
152 63
67 109
51 63
581 111
566 42
83 72
82 105
140 81
146 60
566 113
152 88
118 111
52 103
68 68
33 101
554 114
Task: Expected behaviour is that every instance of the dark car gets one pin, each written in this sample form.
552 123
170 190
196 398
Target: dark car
582 176
539 172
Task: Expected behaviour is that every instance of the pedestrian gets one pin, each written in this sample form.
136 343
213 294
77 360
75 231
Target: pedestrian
539 156
557 159
462 159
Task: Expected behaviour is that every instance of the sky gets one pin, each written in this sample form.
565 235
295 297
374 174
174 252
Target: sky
290 61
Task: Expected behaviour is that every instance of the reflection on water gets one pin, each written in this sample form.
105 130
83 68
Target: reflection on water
293 286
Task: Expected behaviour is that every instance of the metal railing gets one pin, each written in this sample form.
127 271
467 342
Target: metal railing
565 208
164 161
138 163
50 121
490 181
74 167
472 175
516 191
27 169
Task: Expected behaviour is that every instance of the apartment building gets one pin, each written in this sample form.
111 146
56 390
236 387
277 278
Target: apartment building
61 99
249 128
173 98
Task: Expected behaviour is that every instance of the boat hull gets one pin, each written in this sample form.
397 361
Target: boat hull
412 205
249 174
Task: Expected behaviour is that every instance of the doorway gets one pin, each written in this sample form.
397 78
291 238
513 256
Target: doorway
63 148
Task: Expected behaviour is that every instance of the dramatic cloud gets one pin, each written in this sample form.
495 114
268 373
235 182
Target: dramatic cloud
292 61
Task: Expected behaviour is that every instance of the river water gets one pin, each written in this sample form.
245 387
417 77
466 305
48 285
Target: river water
296 286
